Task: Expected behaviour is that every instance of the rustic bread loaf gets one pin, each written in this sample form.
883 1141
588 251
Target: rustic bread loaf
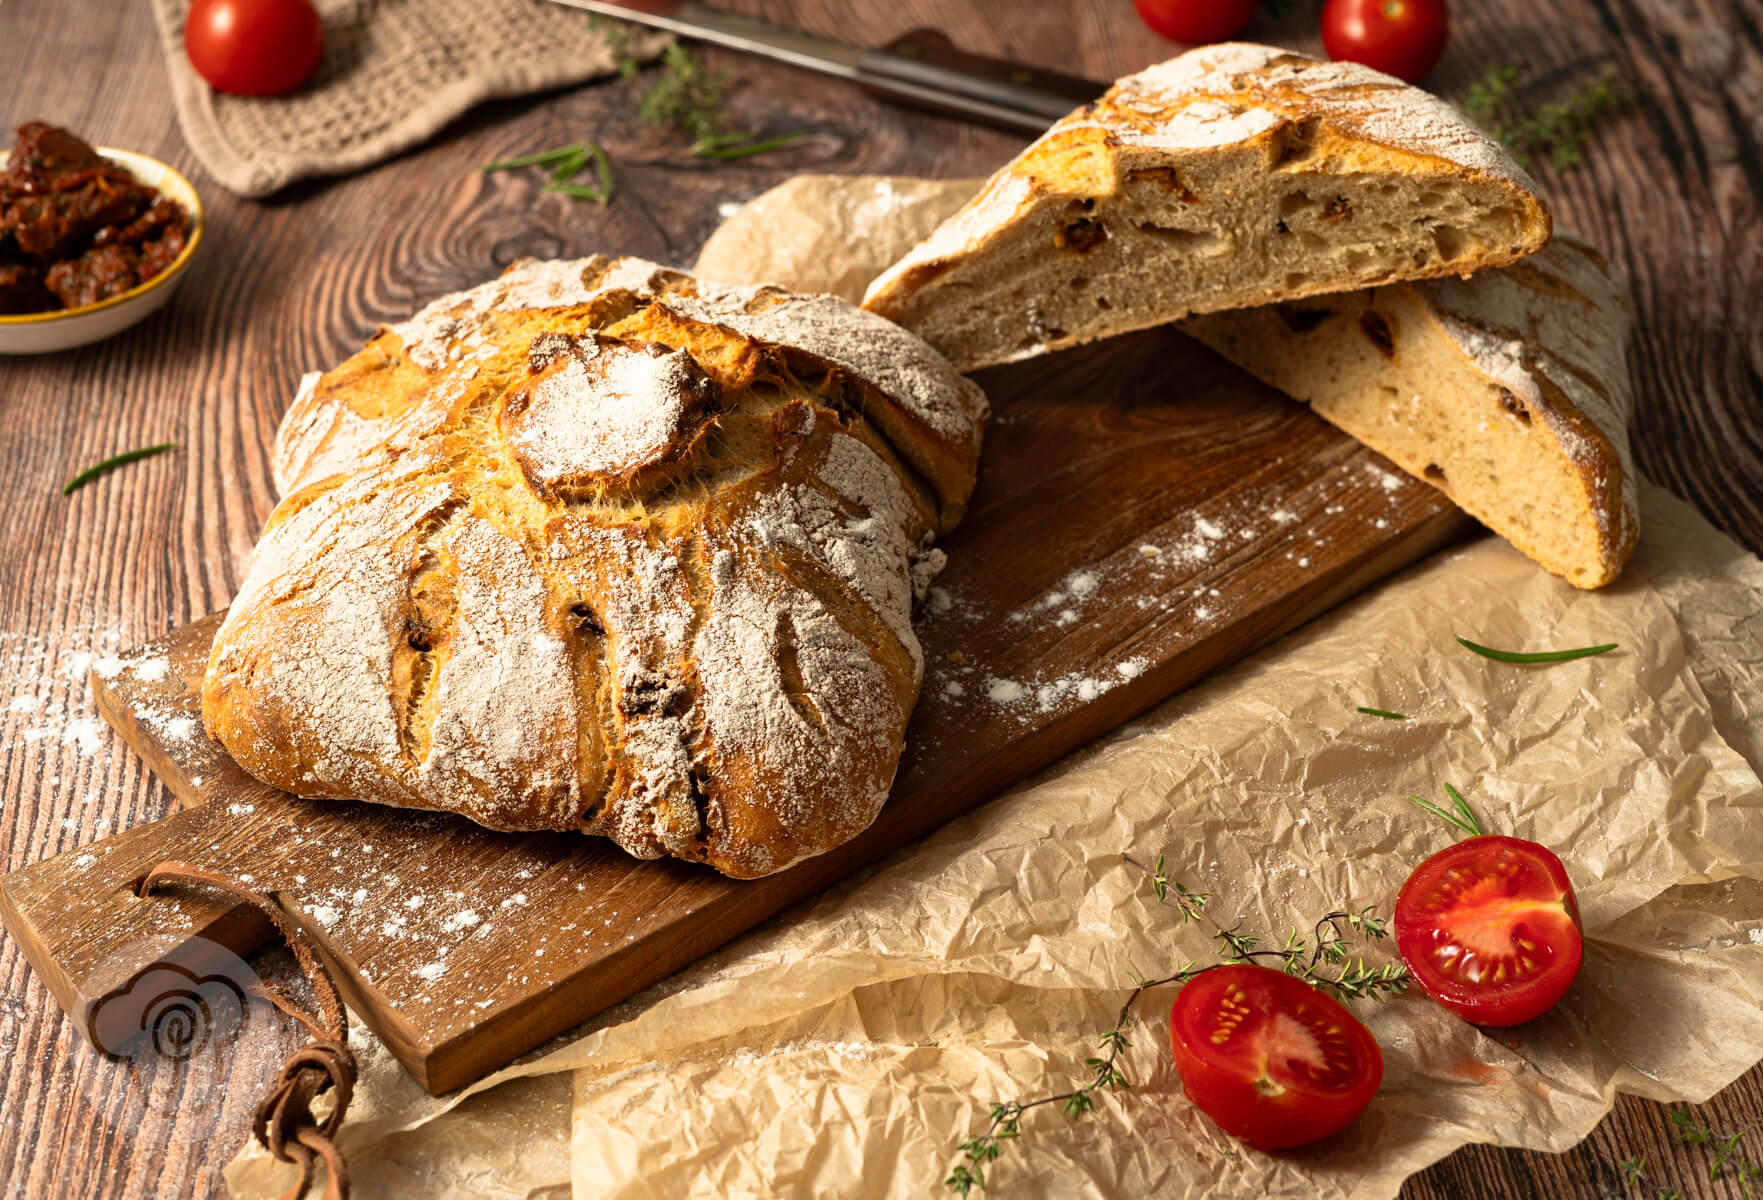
1233 175
595 547
1508 392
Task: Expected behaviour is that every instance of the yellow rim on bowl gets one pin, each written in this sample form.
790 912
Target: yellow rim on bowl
197 224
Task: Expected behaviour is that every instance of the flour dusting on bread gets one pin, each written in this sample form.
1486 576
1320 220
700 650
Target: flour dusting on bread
594 547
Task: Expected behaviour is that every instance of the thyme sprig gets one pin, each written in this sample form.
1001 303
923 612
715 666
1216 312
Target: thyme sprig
1558 129
689 97
1543 656
1724 1159
1723 1155
1461 815
112 463
1323 959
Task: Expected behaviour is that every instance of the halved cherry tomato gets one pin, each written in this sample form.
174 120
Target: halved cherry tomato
1490 929
1404 38
1196 20
1273 1060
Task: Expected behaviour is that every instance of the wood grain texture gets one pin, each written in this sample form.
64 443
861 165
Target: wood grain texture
1671 191
1123 542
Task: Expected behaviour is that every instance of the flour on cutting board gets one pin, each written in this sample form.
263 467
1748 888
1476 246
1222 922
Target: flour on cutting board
1169 571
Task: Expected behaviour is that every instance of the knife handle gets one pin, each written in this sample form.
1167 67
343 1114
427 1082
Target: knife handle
924 68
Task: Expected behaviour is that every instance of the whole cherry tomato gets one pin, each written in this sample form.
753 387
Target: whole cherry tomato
1196 20
1273 1060
1490 929
1403 38
254 47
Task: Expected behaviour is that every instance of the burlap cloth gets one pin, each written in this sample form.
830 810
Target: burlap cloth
394 72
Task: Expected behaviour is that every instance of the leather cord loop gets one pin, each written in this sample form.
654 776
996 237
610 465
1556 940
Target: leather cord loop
284 1122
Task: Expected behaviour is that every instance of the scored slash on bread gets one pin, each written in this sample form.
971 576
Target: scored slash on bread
1509 392
1230 176
595 547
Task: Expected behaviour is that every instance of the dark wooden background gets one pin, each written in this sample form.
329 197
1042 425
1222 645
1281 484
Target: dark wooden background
1671 190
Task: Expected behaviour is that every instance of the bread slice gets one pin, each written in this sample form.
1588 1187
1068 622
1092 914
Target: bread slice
1234 175
1508 392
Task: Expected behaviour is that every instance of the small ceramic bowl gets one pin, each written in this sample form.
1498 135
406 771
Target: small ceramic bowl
39 333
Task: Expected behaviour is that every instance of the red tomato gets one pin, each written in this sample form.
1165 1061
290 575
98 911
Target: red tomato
1403 38
254 47
1490 929
1196 20
1272 1059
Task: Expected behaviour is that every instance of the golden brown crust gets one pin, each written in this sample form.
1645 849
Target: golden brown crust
1232 176
594 547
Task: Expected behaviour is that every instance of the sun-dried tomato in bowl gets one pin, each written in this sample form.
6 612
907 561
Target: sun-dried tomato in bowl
76 228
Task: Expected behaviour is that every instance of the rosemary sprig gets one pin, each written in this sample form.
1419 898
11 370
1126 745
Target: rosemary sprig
1323 960
739 146
1385 713
1559 129
541 158
1462 816
566 162
1544 656
1632 1169
110 464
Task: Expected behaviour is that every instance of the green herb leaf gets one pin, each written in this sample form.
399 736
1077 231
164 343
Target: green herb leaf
1462 816
579 191
1559 129
688 97
543 158
1385 713
725 146
603 166
570 166
110 464
1544 656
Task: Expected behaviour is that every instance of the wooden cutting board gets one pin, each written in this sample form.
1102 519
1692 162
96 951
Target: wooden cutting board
1146 514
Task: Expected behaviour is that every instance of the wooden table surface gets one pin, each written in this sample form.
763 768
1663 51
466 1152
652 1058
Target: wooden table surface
1671 190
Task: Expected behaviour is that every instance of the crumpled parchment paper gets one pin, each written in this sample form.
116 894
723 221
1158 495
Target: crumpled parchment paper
847 1047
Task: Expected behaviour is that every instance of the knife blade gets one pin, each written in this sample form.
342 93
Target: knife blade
921 68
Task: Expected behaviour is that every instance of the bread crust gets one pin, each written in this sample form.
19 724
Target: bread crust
1218 154
1509 392
596 547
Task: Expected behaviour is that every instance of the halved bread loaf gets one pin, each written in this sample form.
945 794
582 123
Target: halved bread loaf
595 547
1508 392
1234 175
1511 386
